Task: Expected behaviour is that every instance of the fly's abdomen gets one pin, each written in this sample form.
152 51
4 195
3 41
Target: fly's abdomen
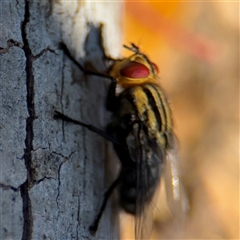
141 122
139 186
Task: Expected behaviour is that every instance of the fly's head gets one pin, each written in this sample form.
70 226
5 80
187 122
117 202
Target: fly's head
134 70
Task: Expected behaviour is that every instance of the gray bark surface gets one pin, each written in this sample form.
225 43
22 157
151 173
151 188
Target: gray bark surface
53 174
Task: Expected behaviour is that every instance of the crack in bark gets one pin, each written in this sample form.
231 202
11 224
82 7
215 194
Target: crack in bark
42 179
27 207
61 98
10 43
42 52
59 169
27 212
78 219
42 148
29 183
58 189
7 187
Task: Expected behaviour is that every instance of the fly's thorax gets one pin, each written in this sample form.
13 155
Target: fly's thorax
146 105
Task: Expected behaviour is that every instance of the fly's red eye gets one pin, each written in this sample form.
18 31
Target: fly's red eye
155 67
134 70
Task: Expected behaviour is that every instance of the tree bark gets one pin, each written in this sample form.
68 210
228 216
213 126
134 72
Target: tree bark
53 174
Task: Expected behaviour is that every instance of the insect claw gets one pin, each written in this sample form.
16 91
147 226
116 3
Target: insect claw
93 228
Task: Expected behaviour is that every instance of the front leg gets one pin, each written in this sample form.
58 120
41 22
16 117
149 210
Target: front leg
85 71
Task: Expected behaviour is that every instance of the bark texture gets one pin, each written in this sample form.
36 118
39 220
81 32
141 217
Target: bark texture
53 174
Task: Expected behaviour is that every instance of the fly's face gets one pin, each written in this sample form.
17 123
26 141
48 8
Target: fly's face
135 70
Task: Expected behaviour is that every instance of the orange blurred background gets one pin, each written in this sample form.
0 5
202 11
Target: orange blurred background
196 47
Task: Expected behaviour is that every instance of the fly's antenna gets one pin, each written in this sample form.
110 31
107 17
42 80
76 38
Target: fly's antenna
133 48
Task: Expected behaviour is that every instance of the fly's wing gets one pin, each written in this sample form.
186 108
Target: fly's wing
176 197
143 223
147 184
149 161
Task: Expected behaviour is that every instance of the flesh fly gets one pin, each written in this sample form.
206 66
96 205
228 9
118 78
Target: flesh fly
141 131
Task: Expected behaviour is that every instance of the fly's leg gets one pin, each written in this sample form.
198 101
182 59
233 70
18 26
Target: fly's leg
93 228
111 92
100 132
110 102
86 71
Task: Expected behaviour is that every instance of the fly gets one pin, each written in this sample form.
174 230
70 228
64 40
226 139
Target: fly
141 131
